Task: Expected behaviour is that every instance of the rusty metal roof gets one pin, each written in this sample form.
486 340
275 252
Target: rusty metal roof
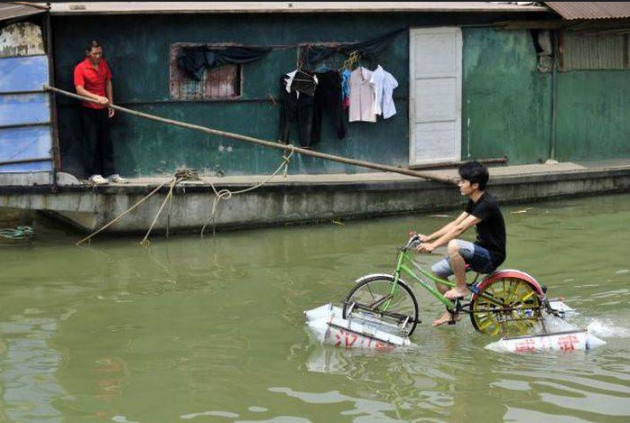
590 10
20 10
110 8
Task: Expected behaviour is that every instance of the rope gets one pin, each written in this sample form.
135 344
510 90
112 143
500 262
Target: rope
145 241
190 175
145 198
20 232
226 194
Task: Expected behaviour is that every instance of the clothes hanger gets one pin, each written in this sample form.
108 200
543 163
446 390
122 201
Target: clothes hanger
352 60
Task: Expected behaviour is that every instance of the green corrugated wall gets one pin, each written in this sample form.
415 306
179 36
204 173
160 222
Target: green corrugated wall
505 110
593 115
506 102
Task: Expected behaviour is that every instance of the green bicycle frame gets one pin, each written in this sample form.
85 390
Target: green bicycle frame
402 267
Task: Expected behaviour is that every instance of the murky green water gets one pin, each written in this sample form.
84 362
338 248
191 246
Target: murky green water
212 330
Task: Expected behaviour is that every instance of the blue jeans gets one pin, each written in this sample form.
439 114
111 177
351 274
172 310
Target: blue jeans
477 257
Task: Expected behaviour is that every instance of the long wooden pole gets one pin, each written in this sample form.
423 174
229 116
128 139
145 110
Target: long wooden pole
279 146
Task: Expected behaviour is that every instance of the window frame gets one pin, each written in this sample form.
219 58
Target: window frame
174 49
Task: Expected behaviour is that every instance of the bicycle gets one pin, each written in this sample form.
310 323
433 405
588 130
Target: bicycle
506 302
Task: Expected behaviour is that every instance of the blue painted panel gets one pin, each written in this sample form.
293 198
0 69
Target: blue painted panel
19 109
27 167
25 143
23 73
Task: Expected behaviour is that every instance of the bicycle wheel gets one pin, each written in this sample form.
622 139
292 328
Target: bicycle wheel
508 306
378 297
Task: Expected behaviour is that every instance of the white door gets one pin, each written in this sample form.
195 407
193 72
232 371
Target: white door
436 95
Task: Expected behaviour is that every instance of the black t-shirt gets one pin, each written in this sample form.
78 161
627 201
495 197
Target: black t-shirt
491 229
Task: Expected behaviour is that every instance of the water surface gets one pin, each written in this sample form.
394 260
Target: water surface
212 330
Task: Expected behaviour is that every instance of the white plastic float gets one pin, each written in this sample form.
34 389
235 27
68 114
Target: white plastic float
560 341
569 339
327 325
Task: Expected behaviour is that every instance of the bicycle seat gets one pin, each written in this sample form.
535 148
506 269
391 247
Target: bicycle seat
469 268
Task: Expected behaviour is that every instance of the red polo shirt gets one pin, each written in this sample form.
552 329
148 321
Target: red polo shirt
93 80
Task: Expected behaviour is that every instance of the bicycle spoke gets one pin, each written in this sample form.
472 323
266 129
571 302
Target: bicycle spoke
388 302
517 313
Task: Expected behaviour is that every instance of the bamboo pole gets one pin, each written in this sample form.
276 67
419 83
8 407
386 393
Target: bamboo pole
276 145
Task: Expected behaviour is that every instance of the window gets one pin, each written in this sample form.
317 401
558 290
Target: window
220 83
583 51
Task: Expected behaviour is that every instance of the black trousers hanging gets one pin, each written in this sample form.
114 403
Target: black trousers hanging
294 108
328 101
98 153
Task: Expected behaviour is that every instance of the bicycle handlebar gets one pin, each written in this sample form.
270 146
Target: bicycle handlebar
414 241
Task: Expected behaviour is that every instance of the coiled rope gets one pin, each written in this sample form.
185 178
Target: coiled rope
226 194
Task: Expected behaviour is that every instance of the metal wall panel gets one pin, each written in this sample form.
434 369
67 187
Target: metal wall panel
25 143
27 167
24 109
23 73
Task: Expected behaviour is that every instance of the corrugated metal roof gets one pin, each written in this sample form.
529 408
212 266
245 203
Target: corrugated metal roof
12 11
591 10
282 7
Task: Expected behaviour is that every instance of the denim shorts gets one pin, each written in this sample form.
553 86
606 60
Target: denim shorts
477 257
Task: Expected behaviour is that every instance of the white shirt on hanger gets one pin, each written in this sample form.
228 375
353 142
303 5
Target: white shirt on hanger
384 84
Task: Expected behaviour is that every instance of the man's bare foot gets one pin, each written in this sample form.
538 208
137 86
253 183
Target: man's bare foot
456 293
444 319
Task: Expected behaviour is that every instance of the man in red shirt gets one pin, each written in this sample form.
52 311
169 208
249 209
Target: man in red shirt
93 79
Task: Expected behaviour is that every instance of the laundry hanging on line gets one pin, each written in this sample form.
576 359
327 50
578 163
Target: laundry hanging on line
384 85
297 100
371 94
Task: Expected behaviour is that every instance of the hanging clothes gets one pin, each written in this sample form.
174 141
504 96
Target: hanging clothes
345 88
296 106
302 81
361 96
328 100
384 84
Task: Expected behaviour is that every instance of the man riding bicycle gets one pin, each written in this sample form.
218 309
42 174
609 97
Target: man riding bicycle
486 253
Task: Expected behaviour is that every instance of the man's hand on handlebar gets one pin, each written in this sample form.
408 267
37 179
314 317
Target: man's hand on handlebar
425 248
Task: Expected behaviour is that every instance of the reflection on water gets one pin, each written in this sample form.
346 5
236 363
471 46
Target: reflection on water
212 330
27 370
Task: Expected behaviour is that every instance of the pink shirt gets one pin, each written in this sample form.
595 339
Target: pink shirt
362 96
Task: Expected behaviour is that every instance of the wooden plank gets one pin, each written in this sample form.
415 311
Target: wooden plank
25 143
119 8
28 73
20 109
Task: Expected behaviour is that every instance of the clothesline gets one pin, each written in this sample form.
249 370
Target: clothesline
194 59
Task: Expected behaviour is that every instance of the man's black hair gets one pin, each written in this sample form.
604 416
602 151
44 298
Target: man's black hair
474 172
92 44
